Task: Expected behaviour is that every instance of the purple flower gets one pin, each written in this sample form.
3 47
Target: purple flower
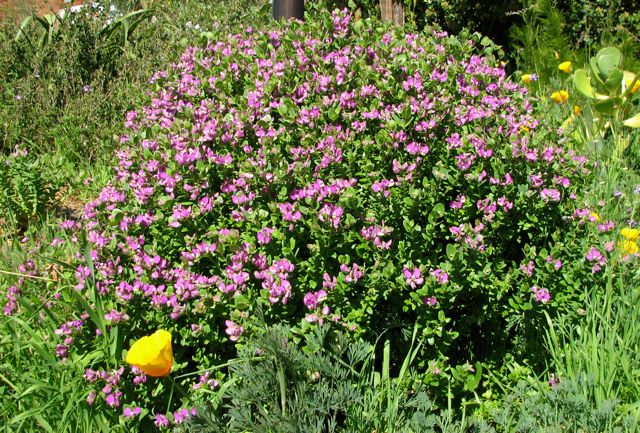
541 294
329 282
441 276
114 317
162 421
113 399
429 301
311 300
413 277
594 255
550 194
331 213
527 269
182 414
129 413
264 236
234 331
204 380
353 274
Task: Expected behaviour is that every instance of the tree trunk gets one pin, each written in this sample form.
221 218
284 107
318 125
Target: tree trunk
288 9
392 11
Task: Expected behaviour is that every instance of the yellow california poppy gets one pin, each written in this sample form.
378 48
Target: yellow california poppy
565 67
628 247
526 78
152 354
577 110
630 234
595 217
560 97
636 86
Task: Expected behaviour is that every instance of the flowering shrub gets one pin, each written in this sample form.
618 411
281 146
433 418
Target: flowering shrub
328 171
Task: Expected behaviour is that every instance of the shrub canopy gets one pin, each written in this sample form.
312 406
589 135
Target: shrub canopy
335 171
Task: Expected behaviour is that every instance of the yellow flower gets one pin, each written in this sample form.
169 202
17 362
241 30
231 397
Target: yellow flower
630 234
577 110
595 217
628 247
560 97
635 86
565 67
152 354
526 78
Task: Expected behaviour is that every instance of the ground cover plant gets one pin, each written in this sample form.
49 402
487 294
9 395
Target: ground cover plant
334 175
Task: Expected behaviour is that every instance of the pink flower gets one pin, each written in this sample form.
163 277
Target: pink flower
129 413
550 194
430 301
527 269
91 398
162 421
264 236
234 331
441 276
594 255
329 282
413 277
182 414
541 294
353 274
114 317
113 399
311 300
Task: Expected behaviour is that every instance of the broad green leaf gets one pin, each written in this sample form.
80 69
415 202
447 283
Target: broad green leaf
633 122
606 106
451 250
583 83
595 70
614 80
608 58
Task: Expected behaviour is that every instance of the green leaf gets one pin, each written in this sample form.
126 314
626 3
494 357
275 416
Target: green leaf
614 81
583 83
440 173
436 212
408 224
334 113
452 249
606 106
608 58
633 122
595 70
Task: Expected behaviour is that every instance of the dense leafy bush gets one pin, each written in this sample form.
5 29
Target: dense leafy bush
591 21
331 171
25 193
491 18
